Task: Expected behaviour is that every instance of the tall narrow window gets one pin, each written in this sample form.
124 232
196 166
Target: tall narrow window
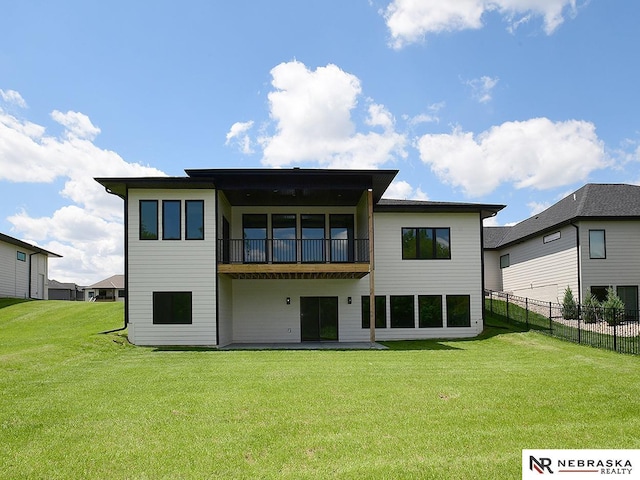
429 311
194 219
312 238
380 313
148 219
458 311
402 311
426 243
254 232
283 232
171 220
597 246
341 232
505 261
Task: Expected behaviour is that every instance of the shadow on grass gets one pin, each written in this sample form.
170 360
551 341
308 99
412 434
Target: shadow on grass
7 302
494 326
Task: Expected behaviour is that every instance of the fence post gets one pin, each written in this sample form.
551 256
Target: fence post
615 330
526 311
550 317
508 317
579 315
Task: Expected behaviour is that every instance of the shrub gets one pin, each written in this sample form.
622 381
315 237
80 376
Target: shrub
590 308
569 305
613 308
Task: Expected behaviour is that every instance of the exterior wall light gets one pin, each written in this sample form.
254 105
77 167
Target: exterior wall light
349 300
288 300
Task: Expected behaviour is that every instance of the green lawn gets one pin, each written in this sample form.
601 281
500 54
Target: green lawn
79 404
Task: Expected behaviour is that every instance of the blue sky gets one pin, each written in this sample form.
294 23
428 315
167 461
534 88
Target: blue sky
517 102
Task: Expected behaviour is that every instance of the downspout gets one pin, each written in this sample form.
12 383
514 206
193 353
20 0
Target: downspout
126 260
578 262
482 267
372 283
30 263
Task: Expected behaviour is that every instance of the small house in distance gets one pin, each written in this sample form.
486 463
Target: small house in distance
24 269
65 291
242 256
110 289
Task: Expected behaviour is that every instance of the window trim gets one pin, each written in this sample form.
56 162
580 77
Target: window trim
434 231
164 219
21 256
468 297
155 236
604 244
156 296
186 220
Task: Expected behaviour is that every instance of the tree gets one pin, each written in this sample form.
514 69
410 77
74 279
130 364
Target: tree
590 308
613 308
569 305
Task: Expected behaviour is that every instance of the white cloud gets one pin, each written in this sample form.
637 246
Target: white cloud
536 153
88 231
311 113
404 191
238 136
537 207
13 98
482 87
409 21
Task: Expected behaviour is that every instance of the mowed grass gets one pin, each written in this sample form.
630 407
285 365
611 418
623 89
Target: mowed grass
76 403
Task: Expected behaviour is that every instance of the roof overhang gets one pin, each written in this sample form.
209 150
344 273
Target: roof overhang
119 186
408 206
27 246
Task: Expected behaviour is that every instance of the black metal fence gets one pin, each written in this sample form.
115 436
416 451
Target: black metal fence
294 250
611 329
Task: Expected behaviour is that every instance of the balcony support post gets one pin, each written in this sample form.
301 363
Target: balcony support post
372 285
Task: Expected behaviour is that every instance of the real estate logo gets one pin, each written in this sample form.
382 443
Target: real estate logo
581 464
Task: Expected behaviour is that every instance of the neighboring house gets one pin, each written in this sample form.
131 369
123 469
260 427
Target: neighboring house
285 255
65 291
23 269
587 241
110 289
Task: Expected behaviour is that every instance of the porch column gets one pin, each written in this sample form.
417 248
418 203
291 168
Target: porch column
372 287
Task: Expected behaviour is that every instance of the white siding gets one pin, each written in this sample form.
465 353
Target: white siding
461 275
622 265
14 273
492 273
172 265
542 271
261 313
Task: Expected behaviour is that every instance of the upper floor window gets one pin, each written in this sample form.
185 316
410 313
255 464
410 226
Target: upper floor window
505 261
597 245
426 243
551 237
22 256
194 216
171 220
148 219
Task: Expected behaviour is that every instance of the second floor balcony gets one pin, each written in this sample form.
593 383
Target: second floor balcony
293 258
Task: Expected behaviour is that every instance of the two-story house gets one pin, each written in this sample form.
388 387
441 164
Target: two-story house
587 241
233 256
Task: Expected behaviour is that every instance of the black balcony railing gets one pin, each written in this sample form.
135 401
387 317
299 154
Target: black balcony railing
297 250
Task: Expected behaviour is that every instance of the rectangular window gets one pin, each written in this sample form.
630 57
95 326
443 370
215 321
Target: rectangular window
402 311
430 311
122 293
194 219
171 220
458 311
171 308
148 219
254 232
551 237
597 247
312 237
629 296
283 232
599 292
380 313
22 256
505 261
426 243
341 232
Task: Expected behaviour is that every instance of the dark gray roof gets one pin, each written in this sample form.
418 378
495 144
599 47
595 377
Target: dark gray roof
493 236
27 246
54 284
392 205
593 201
